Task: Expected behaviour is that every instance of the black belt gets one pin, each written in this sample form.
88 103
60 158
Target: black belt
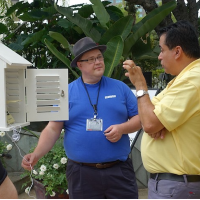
99 165
175 177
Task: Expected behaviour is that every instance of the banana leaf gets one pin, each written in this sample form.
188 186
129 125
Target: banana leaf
113 54
34 37
100 12
61 39
60 56
145 50
84 24
122 27
148 23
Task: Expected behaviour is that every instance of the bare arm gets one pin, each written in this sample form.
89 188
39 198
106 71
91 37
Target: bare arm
48 138
149 120
115 132
46 141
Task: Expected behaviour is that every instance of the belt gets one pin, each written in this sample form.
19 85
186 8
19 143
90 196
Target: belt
175 177
99 165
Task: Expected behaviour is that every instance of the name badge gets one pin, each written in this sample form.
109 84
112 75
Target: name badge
94 124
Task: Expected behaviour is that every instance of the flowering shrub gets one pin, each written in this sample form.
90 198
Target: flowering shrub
4 147
51 170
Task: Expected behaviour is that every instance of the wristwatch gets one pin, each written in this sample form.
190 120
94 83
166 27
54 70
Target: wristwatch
141 93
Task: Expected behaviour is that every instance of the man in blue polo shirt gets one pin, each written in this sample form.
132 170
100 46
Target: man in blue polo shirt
102 111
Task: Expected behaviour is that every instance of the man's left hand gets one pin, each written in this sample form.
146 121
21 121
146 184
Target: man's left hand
113 133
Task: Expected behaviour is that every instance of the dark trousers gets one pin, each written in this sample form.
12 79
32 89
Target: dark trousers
116 182
3 173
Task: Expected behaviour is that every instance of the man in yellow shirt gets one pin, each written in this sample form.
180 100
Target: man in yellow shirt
171 145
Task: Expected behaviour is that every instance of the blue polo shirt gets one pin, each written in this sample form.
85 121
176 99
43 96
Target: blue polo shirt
116 103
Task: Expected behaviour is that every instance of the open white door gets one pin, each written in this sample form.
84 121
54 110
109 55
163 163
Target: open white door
47 94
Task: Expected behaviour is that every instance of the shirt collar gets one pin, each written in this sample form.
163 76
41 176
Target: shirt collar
187 68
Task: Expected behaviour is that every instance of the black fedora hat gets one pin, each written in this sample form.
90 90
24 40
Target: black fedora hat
82 46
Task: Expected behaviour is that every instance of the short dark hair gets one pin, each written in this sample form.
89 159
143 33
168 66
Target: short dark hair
182 34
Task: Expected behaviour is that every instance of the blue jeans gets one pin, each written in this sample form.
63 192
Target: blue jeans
167 189
116 182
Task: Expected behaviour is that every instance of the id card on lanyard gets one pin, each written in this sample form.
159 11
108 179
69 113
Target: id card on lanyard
94 124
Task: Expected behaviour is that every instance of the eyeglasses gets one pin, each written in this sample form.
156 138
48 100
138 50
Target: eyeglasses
93 60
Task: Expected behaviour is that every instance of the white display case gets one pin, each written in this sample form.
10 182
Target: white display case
30 94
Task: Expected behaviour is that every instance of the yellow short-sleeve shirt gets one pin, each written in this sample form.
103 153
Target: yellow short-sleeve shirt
178 109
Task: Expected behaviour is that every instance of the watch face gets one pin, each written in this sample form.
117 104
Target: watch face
140 93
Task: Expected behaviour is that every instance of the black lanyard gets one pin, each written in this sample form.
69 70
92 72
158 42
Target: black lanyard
93 105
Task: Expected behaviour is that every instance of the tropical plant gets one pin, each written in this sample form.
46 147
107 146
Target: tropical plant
50 170
120 36
58 28
36 19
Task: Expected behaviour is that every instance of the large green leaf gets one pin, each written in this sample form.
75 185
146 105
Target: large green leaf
115 13
60 56
34 15
148 23
60 38
122 27
34 37
19 5
84 24
113 54
85 11
100 12
145 50
3 28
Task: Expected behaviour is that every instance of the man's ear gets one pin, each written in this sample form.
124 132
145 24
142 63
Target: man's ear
178 51
79 65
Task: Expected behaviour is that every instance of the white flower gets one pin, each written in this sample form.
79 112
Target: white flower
52 194
63 160
67 191
43 168
2 133
56 166
27 190
41 172
35 172
63 130
9 147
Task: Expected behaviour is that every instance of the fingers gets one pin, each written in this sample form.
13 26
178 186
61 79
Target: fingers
163 132
108 130
160 134
27 162
112 137
129 65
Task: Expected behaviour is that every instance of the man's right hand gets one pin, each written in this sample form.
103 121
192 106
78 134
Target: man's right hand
160 134
29 161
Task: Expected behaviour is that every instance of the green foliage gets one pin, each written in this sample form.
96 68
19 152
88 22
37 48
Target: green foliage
49 32
156 81
51 169
4 147
120 36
